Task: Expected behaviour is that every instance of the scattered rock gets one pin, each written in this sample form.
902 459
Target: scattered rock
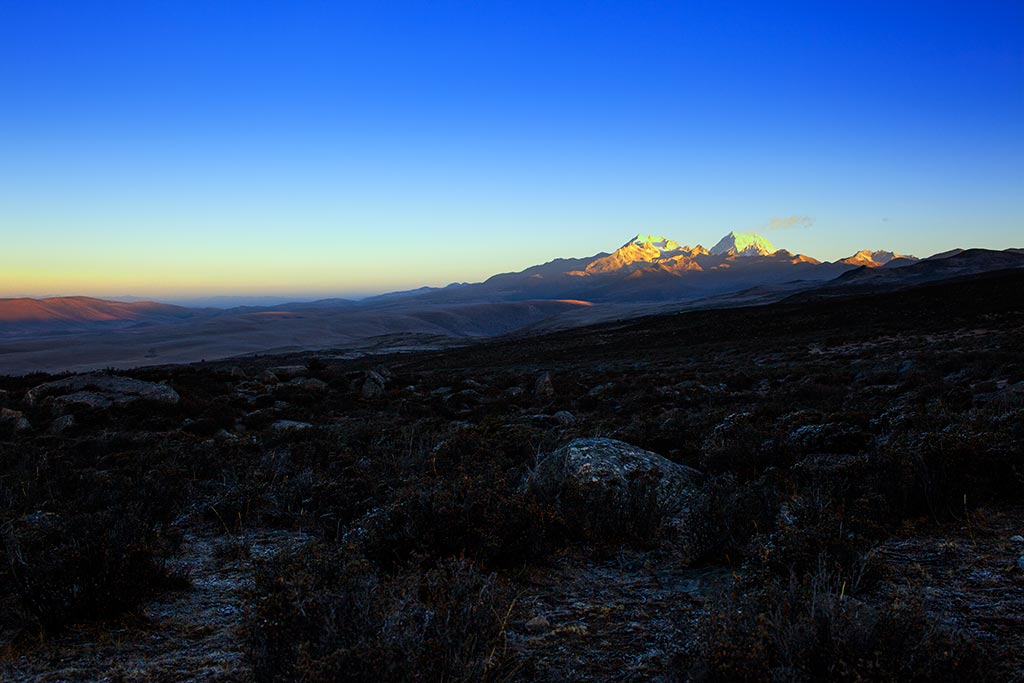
101 390
601 389
830 437
236 372
373 384
62 424
283 372
564 417
1020 563
599 482
799 418
284 425
466 396
539 624
268 377
544 387
513 392
309 384
1017 539
15 420
441 391
830 468
735 428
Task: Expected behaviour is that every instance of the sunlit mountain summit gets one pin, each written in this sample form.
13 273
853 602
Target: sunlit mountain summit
743 244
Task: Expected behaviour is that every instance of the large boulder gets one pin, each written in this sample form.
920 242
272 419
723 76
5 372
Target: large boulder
606 487
98 390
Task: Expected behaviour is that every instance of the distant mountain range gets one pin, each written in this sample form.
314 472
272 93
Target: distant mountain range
647 274
650 268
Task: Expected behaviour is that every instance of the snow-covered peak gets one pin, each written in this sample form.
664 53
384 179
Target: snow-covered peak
661 243
743 244
874 259
643 251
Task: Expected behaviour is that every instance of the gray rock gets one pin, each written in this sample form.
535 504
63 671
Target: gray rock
289 371
309 384
284 425
15 420
732 423
373 385
8 415
513 392
268 377
85 399
1017 539
539 624
62 424
1020 563
466 396
544 387
101 390
564 417
599 483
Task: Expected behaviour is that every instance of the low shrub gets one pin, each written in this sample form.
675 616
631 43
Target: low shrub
726 515
66 570
813 630
327 615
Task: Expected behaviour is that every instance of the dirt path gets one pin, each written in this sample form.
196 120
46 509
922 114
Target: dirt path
182 636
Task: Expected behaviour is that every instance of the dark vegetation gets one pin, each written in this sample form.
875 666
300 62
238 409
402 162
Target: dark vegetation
834 437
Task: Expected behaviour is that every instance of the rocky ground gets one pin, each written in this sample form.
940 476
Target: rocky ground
803 491
183 635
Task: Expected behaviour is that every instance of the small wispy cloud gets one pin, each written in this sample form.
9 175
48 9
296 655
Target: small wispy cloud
788 223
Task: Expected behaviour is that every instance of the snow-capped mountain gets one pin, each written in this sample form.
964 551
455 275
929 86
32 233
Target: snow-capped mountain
642 252
876 259
652 268
743 244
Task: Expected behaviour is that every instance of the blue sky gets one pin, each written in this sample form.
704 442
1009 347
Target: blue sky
311 148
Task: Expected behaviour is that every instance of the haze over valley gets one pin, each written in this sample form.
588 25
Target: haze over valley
648 274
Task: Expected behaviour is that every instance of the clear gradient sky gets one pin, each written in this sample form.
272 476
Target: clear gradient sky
176 148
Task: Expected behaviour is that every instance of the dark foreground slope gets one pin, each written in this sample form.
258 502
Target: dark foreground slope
318 518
